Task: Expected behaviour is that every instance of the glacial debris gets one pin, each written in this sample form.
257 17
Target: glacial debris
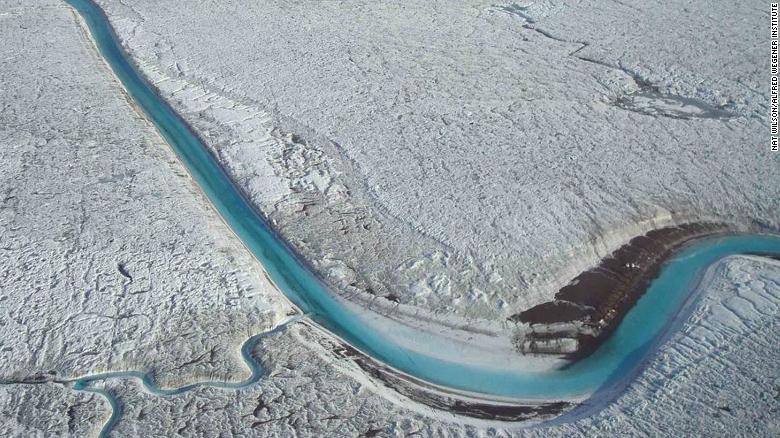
588 309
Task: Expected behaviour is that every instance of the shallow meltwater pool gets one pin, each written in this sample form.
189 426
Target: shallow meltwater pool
615 359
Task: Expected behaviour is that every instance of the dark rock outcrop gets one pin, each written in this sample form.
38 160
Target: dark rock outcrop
587 310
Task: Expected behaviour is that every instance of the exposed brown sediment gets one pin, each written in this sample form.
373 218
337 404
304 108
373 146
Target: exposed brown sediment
438 398
427 395
587 310
583 314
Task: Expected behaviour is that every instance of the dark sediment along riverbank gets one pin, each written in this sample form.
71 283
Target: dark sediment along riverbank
439 398
584 314
587 310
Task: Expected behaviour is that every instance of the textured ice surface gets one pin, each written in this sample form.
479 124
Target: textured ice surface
716 376
110 259
467 158
49 410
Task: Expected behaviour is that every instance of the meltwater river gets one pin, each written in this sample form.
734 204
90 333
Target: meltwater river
617 358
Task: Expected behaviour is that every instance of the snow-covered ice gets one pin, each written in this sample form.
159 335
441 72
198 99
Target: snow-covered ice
469 159
459 160
111 258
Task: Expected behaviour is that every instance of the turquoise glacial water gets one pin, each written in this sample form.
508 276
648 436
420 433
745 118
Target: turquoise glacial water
621 354
147 379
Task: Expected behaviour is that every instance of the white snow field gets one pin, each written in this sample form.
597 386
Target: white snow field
111 258
466 159
450 157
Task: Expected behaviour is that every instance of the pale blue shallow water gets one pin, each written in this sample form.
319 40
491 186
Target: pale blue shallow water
147 379
622 353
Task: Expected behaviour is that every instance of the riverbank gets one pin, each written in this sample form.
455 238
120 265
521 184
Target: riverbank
123 288
589 309
462 205
340 317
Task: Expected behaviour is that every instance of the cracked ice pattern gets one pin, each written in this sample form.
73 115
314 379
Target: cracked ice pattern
49 410
469 159
717 376
110 257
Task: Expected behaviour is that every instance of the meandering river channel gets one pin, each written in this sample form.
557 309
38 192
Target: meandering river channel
619 356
